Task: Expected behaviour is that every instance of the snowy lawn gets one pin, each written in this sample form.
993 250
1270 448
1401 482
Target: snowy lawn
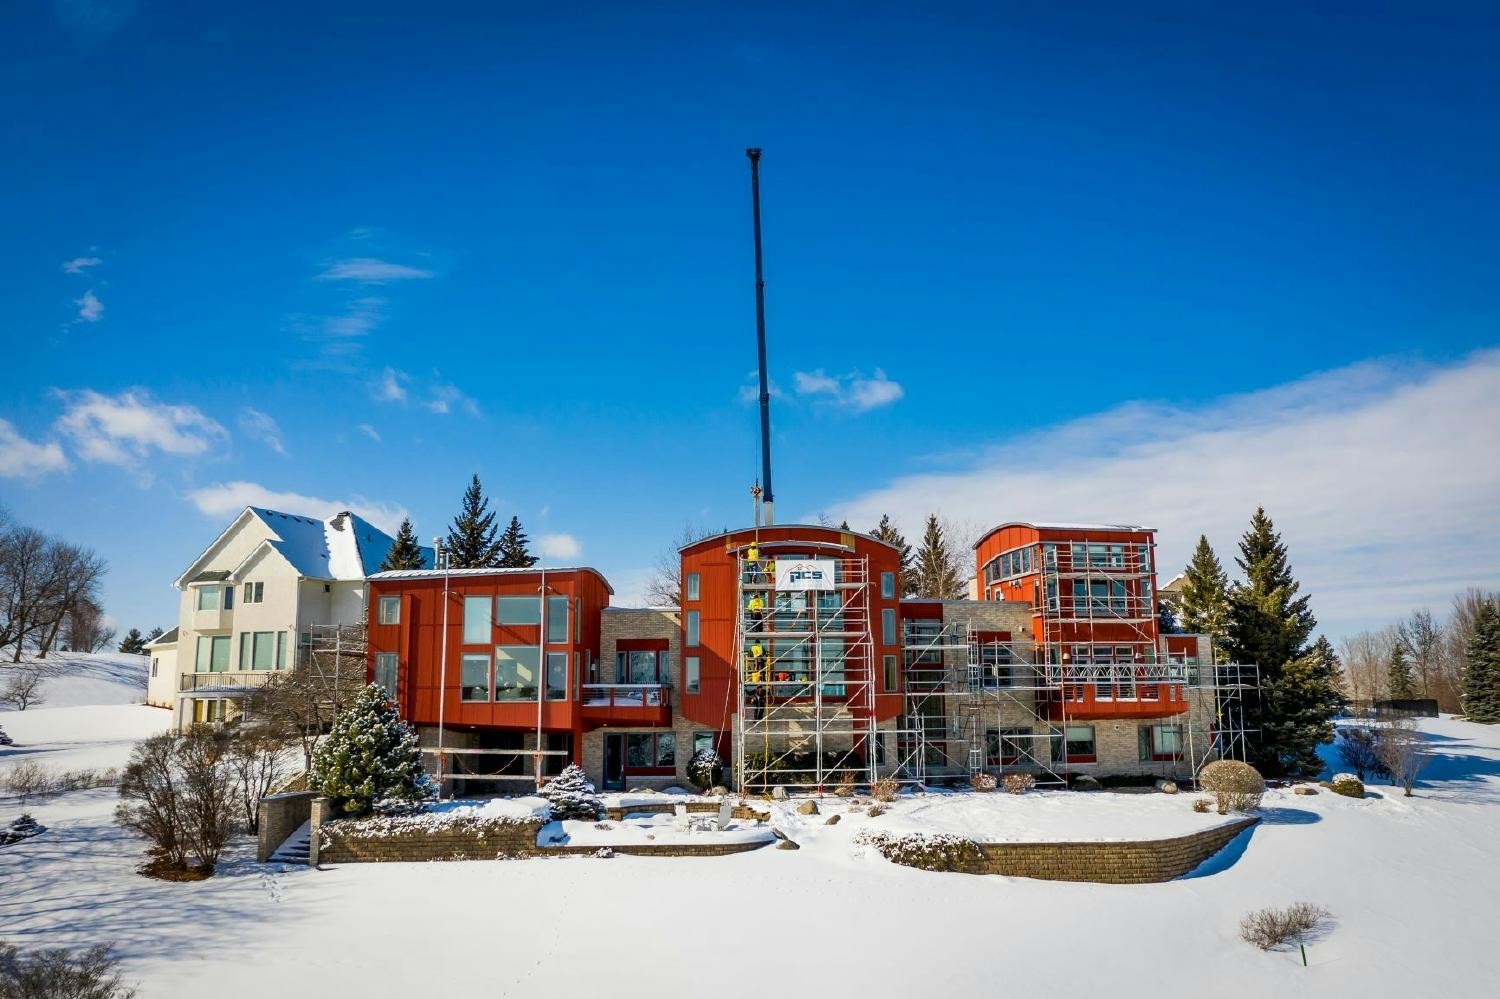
92 678
1413 884
700 829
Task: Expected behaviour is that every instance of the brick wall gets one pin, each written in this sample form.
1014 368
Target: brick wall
277 817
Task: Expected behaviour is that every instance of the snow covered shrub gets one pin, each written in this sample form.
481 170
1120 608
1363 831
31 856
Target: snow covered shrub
370 755
1360 750
1201 804
982 782
1348 785
571 795
1236 786
925 851
1018 783
885 789
6 740
1270 928
56 974
705 769
24 827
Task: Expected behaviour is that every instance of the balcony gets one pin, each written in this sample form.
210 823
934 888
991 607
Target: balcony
627 704
222 684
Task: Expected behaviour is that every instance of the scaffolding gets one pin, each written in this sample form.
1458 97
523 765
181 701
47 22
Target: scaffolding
806 669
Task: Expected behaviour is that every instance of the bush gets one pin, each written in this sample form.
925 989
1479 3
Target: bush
571 795
1236 786
845 786
982 782
1270 928
705 769
27 780
1348 785
885 789
370 755
178 792
925 851
24 827
6 740
1201 804
1360 750
56 974
1019 783
875 811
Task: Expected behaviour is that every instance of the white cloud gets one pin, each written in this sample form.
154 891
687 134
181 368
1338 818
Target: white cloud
445 397
125 429
262 427
391 386
1382 478
90 309
24 459
368 270
437 397
228 498
80 264
559 546
369 432
853 392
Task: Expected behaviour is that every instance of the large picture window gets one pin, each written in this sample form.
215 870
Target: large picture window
651 751
1078 740
518 610
477 624
208 598
1008 746
213 654
640 666
474 677
1160 742
257 649
516 668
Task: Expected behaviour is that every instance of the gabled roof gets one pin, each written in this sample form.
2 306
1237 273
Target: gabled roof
167 638
347 547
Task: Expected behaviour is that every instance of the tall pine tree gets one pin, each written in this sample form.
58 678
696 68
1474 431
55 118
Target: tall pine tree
1269 625
133 643
406 553
513 550
937 575
887 532
471 540
1204 605
1302 706
1400 680
1482 674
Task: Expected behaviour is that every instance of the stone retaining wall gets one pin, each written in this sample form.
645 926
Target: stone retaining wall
277 817
1141 862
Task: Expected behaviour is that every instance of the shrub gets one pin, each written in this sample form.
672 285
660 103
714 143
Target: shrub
885 789
571 795
983 782
845 786
1270 928
1348 785
6 740
925 851
705 769
875 811
177 791
28 780
24 827
1019 783
1201 804
56 974
370 755
1360 750
1236 786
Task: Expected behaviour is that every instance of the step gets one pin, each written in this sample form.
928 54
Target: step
297 847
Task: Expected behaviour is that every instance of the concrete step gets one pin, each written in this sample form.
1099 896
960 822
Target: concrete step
297 847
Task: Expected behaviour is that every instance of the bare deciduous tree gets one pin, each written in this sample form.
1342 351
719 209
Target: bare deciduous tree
258 761
1402 748
42 582
21 683
1366 656
664 585
54 973
179 792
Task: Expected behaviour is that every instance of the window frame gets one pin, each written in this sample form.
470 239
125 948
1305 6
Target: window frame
388 661
890 673
1063 742
889 631
464 688
692 674
888 586
656 768
204 591
691 629
510 655
553 629
384 604
692 586
506 600
550 692
468 630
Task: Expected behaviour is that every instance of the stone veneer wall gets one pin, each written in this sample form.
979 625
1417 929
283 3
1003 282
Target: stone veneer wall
1140 862
277 817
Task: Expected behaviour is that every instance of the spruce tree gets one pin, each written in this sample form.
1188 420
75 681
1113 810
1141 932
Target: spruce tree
133 643
937 576
369 758
1400 681
1204 605
886 531
512 547
571 795
1268 626
1482 674
154 635
406 552
1302 706
471 540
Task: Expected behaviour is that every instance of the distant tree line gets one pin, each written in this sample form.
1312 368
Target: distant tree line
49 594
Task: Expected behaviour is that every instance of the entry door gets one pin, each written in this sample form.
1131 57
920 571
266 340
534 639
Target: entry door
614 762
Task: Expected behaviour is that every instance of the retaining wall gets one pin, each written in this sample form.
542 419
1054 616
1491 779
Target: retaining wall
277 817
1140 862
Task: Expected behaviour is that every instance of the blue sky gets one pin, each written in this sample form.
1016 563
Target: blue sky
1070 261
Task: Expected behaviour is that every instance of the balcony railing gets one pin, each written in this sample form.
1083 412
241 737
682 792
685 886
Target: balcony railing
222 683
628 703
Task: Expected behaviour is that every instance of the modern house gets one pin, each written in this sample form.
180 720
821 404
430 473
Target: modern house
792 654
252 602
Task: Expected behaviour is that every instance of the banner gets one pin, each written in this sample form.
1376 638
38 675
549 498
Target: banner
805 574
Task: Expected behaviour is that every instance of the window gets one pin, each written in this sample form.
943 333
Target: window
253 593
1160 742
705 741
208 598
477 627
518 610
690 628
213 654
155 662
557 619
390 610
690 674
887 586
640 666
577 622
516 669
385 672
474 677
281 650
257 649
1008 746
892 677
557 676
228 597
888 626
1079 745
651 751
691 586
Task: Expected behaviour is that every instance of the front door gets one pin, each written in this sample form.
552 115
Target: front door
614 762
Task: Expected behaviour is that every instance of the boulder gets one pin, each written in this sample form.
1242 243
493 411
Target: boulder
832 820
808 807
1304 789
1083 782
787 844
779 793
1166 786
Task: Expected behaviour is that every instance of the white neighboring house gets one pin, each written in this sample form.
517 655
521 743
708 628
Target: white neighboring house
250 601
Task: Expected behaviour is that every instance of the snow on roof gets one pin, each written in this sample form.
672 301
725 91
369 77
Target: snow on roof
346 547
167 638
493 571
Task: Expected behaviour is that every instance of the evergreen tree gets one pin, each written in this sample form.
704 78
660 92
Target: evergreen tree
937 575
571 795
471 540
886 531
1400 680
133 643
369 758
1166 620
406 552
845 525
1302 706
154 635
1268 625
1482 674
512 546
1204 606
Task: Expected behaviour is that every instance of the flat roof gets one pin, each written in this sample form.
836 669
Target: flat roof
535 570
786 527
1132 528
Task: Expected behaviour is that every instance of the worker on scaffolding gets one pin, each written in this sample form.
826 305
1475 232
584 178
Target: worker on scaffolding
755 670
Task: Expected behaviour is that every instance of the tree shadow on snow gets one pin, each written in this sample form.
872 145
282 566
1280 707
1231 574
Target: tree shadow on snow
1280 815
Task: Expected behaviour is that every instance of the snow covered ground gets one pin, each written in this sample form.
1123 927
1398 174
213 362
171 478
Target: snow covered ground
1414 886
88 678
